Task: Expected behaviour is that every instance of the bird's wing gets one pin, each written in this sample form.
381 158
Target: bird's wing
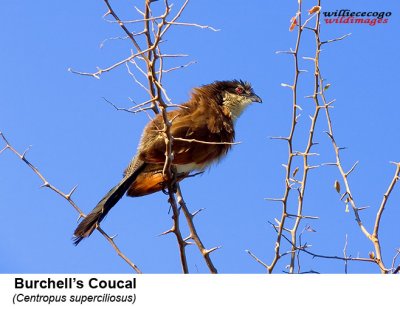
201 136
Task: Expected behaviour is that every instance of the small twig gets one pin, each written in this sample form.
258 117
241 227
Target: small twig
345 255
394 271
108 69
194 25
204 142
257 259
118 108
337 39
178 67
385 199
352 169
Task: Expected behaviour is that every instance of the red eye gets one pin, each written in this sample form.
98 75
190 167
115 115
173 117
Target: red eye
239 90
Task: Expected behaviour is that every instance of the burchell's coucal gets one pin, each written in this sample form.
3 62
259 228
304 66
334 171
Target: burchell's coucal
204 128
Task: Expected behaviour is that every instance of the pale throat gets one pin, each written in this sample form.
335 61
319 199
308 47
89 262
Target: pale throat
236 104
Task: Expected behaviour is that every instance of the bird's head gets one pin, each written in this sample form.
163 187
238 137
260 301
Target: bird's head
236 96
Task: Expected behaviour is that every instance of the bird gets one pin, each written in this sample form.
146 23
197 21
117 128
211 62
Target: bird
203 132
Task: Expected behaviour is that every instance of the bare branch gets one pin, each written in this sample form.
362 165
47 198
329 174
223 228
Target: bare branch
384 201
204 142
194 25
337 39
257 259
69 199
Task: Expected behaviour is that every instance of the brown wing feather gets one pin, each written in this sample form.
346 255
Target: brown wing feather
207 123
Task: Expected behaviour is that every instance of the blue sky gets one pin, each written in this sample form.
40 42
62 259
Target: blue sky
79 139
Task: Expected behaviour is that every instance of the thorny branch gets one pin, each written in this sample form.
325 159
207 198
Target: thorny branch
307 152
193 232
150 55
349 197
293 184
66 196
288 167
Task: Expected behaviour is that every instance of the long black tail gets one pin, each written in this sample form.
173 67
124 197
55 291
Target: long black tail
91 221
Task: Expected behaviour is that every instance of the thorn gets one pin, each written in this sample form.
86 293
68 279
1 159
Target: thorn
290 52
286 85
310 217
352 168
25 152
330 135
329 164
71 192
273 199
107 13
330 102
112 237
80 216
279 137
212 249
337 39
5 148
343 195
304 154
45 184
171 230
197 211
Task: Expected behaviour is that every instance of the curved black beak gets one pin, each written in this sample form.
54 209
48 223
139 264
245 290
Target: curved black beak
256 98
